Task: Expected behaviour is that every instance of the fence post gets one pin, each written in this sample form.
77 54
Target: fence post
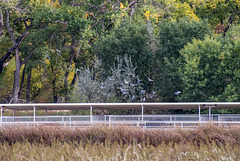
219 119
142 111
91 119
109 121
34 114
209 114
1 115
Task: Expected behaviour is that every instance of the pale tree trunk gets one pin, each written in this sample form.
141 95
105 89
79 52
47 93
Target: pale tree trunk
1 22
16 77
17 61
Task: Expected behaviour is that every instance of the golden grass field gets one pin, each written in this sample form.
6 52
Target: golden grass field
120 143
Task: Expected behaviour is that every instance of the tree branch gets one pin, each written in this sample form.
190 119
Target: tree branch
25 21
29 56
11 50
113 3
133 3
1 22
97 8
10 31
61 22
118 2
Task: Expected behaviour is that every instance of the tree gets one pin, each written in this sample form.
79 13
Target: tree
222 14
16 43
211 70
122 85
173 36
129 39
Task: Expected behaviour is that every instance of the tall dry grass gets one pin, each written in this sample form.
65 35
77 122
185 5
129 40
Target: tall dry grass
122 135
116 151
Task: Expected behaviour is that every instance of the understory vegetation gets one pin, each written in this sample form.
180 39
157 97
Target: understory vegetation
120 143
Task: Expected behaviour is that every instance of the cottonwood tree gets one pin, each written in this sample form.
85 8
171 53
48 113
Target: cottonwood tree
6 10
211 71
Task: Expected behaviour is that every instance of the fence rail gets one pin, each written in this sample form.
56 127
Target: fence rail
145 121
143 124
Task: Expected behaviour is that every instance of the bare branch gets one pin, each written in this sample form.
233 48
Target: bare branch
11 50
61 22
10 31
77 4
1 22
28 57
118 2
25 21
133 3
113 3
97 8
157 4
96 23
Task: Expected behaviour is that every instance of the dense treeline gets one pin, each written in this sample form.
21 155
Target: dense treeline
119 50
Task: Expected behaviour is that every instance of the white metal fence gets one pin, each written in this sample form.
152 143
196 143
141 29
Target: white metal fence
145 121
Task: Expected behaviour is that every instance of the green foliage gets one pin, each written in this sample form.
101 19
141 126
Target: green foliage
123 85
173 36
65 36
129 39
127 84
218 11
91 90
211 70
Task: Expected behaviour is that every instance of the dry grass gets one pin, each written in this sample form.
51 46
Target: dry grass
119 143
123 135
116 151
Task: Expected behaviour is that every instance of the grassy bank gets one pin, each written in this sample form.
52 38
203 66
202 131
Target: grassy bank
124 135
116 151
119 143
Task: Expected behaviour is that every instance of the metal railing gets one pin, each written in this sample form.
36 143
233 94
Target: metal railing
145 121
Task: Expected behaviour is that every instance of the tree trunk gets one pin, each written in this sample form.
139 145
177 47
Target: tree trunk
55 99
29 85
17 61
22 81
66 90
1 22
16 77
74 80
17 43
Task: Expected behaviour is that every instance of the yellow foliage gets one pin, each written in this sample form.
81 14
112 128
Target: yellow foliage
122 6
70 76
86 16
47 62
147 14
51 2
